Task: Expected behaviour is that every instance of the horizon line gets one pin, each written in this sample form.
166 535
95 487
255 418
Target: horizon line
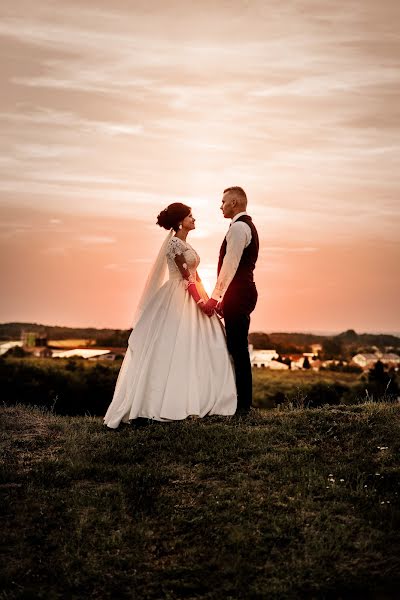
304 332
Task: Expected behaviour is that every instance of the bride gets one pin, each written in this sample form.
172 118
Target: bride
177 363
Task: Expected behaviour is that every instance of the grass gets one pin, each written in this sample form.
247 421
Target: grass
267 382
279 504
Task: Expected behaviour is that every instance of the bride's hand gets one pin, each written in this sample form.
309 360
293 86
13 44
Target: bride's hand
209 307
202 305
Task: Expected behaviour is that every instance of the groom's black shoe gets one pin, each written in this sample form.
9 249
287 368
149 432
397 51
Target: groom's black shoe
140 422
243 412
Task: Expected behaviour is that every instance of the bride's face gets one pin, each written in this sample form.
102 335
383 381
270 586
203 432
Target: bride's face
189 222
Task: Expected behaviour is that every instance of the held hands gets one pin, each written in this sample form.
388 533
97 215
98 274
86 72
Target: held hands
219 310
209 307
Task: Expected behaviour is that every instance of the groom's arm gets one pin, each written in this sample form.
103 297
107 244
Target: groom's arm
237 238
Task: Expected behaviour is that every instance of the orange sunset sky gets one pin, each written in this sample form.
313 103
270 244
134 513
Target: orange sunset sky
110 110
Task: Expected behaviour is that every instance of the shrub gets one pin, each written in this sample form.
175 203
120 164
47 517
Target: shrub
68 388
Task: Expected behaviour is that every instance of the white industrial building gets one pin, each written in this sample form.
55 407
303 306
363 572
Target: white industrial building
265 359
366 361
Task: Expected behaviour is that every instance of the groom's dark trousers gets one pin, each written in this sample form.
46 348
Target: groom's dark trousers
238 303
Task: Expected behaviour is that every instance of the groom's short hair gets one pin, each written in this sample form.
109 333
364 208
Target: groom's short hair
239 193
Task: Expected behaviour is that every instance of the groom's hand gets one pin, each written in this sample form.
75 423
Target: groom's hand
219 310
209 307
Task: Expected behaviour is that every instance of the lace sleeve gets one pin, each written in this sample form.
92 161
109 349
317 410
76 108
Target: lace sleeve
175 247
175 252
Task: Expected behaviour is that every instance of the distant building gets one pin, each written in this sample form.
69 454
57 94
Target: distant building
81 352
316 349
391 359
114 355
275 365
39 351
296 361
33 339
333 362
43 352
261 359
316 364
367 361
5 346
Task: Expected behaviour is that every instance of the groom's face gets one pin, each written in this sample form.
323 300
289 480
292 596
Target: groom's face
228 205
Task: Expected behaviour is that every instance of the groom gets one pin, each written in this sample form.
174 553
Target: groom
235 293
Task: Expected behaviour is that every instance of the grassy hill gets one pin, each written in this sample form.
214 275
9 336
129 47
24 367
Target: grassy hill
280 504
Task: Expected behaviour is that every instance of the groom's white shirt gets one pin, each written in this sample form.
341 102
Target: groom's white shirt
237 239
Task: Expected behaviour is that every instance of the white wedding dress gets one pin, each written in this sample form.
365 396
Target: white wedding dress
177 363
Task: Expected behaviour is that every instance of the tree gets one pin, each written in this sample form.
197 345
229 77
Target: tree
260 340
381 383
332 348
349 336
306 363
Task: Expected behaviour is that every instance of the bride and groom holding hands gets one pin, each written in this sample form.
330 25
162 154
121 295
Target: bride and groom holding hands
181 360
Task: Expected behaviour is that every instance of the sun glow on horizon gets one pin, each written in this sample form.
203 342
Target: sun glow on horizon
208 277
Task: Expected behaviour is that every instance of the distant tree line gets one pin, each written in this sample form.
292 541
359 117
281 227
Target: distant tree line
338 347
341 346
118 338
106 337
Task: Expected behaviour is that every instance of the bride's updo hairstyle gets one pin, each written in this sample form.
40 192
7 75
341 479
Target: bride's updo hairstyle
173 215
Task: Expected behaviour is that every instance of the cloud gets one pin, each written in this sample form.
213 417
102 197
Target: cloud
55 251
334 83
120 110
44 116
42 152
286 249
139 260
118 268
96 239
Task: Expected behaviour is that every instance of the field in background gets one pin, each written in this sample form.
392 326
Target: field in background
75 386
267 383
72 343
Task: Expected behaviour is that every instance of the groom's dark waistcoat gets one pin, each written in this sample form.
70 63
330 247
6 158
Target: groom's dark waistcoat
244 274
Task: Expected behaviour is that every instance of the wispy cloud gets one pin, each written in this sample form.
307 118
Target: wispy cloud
44 116
285 249
55 251
96 239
